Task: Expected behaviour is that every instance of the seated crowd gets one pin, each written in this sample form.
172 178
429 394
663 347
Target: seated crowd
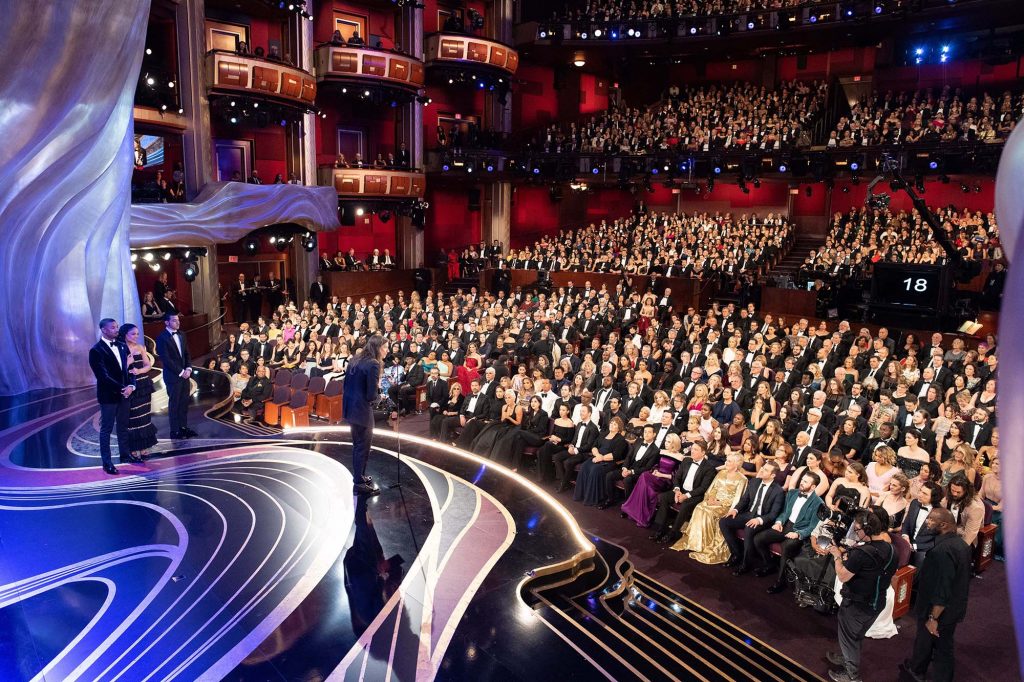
348 261
675 245
697 118
925 116
861 237
616 10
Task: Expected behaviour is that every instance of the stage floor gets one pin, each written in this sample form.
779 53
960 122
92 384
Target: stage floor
243 555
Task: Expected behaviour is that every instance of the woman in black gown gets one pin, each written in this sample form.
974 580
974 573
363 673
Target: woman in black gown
561 432
141 431
473 427
511 418
609 453
449 409
532 432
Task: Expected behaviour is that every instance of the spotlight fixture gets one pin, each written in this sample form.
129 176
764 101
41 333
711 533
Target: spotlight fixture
384 216
360 210
783 168
854 166
148 257
155 267
167 255
309 242
150 81
190 272
149 51
579 60
250 245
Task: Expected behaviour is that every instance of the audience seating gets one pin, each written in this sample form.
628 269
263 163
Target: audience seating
985 544
296 412
272 408
328 403
316 386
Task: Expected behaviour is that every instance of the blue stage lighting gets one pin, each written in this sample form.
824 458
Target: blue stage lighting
595 171
854 166
783 168
933 164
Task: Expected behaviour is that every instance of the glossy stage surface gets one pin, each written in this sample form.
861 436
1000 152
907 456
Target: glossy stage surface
242 555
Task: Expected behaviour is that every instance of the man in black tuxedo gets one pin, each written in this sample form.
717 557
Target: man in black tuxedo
240 298
108 359
318 292
802 448
820 437
437 392
584 438
402 157
643 456
177 366
760 504
475 406
689 484
273 287
326 263
914 529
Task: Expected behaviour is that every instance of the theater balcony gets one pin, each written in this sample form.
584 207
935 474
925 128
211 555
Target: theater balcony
362 67
373 184
230 74
456 51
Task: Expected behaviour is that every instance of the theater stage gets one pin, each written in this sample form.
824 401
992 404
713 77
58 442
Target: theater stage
242 555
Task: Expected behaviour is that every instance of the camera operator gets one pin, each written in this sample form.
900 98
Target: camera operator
865 570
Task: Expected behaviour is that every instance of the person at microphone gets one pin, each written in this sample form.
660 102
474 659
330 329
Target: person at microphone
359 393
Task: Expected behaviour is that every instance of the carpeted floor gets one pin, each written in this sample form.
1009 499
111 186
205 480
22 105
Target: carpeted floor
986 649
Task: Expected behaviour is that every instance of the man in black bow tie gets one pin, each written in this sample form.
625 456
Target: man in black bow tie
177 365
108 360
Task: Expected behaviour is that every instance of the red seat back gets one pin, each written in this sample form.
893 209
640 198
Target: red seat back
317 385
299 382
283 377
299 399
334 388
281 395
902 547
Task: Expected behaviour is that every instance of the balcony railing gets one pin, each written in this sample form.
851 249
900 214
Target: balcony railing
342 63
467 50
229 73
373 183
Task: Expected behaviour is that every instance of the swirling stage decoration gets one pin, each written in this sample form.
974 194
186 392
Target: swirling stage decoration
69 75
227 211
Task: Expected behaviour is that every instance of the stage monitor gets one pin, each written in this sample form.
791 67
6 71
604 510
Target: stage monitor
910 288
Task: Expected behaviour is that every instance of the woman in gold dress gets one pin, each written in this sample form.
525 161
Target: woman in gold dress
703 538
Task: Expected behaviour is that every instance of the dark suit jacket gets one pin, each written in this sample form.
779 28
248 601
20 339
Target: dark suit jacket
923 540
701 482
822 436
771 505
480 408
359 391
174 363
590 436
438 394
647 462
111 377
945 578
807 519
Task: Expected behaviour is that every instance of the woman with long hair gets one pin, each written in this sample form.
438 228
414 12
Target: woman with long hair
141 431
360 392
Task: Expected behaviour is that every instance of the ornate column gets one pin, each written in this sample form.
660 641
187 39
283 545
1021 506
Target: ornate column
197 144
409 129
497 214
66 164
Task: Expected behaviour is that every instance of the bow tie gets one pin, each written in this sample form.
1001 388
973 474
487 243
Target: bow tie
113 344
805 495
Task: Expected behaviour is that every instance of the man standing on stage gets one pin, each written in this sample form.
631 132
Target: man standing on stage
177 365
108 360
361 389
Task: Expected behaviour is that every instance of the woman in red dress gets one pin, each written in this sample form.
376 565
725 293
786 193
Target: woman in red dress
453 265
469 369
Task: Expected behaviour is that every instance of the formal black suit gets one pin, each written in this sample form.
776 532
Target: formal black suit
821 438
360 391
175 360
641 458
765 505
437 392
701 482
111 378
921 541
319 294
470 410
565 461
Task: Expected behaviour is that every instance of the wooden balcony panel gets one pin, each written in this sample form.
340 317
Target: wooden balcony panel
446 47
351 64
228 72
373 183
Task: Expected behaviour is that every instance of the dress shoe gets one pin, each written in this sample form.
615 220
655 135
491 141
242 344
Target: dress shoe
733 561
741 570
364 489
835 658
368 480
604 505
189 433
843 676
133 459
669 539
656 535
176 435
762 572
906 672
777 587
623 514
110 469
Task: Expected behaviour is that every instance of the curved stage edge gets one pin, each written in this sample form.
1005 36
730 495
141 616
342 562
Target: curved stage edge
242 555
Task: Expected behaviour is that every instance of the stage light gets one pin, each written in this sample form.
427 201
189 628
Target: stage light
919 51
150 81
750 26
583 35
309 239
629 33
542 34
693 30
250 246
181 111
783 168
148 257
149 51
945 49
163 107
918 60
595 171
718 170
879 9
234 120
445 167
134 257
933 164
536 171
813 19
232 102
167 255
190 272
944 58
854 166
255 105
579 60
849 12
654 171
490 168
597 33
366 93
360 211
615 35
155 267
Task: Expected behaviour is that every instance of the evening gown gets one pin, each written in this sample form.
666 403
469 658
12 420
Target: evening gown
590 481
703 538
141 431
642 504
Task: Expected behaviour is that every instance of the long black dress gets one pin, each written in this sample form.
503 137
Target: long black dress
141 431
590 481
532 432
473 428
484 442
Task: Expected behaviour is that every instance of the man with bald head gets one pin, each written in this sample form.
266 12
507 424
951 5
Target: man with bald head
942 587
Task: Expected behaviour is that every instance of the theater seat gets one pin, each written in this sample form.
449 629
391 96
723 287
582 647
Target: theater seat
903 580
984 546
282 377
328 403
299 382
317 385
296 412
272 408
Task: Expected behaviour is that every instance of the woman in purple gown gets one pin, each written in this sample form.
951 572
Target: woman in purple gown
642 504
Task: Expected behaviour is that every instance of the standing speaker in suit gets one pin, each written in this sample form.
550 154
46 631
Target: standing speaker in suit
361 389
177 365
108 360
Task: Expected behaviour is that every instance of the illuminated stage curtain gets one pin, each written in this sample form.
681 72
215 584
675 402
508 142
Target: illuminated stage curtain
66 89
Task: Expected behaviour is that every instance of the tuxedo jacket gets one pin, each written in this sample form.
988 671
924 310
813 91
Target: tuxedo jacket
706 472
923 539
173 361
590 436
771 505
111 376
647 462
437 393
822 437
807 519
470 411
